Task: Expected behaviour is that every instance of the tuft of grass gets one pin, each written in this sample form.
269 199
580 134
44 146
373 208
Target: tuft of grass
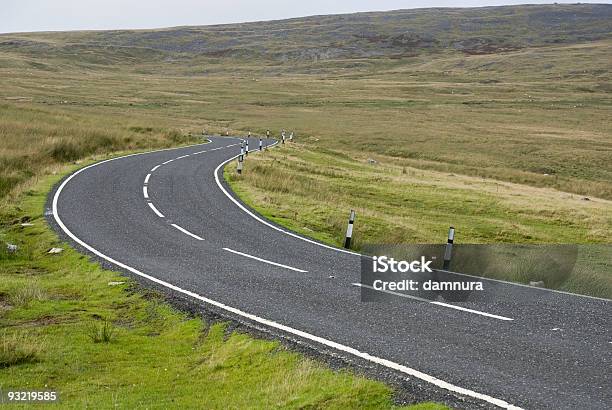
19 348
25 293
102 331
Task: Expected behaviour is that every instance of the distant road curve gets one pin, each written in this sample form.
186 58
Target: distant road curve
167 217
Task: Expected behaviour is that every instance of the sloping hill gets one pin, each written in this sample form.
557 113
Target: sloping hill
385 34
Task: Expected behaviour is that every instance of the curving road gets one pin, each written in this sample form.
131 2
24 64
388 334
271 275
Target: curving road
168 218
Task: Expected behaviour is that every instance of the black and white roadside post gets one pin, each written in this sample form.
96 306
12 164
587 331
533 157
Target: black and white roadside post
291 136
349 230
240 160
267 136
283 136
448 252
247 144
242 148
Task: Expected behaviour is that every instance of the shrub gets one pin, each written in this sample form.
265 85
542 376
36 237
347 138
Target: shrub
64 151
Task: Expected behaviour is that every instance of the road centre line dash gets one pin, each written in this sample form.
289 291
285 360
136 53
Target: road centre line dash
155 168
433 302
265 260
186 232
167 162
145 192
146 181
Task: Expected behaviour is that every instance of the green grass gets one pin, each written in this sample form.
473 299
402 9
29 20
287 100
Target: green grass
312 191
65 326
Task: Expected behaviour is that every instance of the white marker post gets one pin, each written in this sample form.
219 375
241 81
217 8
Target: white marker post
267 134
247 146
291 136
241 148
283 136
349 230
448 252
260 144
239 168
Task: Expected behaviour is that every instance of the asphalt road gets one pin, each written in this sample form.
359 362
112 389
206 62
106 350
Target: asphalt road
163 216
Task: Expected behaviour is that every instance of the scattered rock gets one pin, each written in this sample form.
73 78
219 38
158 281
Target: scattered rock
556 329
55 250
372 161
331 276
537 284
27 224
11 248
115 283
586 198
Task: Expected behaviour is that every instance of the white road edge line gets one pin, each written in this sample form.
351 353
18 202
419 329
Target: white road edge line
147 178
145 192
234 200
366 356
155 210
265 260
434 302
186 232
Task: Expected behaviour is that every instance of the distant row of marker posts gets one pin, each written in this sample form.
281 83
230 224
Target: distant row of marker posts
244 147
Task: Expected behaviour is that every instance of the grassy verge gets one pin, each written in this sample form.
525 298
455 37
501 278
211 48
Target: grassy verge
311 191
69 325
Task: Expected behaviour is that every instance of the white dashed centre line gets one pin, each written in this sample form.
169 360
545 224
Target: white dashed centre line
477 312
167 162
147 178
145 192
155 168
186 232
265 260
